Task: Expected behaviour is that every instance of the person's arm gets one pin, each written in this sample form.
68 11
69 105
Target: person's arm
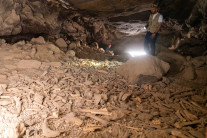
157 30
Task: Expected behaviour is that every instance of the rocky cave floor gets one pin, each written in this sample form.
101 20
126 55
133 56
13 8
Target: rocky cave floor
72 97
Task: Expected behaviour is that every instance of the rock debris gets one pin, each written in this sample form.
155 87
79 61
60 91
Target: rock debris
72 97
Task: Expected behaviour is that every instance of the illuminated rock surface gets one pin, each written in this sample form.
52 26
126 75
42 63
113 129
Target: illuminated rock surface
144 65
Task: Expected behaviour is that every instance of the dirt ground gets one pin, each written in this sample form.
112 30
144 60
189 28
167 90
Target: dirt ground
67 97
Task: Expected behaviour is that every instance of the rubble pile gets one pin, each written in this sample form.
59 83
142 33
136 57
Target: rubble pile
74 97
187 68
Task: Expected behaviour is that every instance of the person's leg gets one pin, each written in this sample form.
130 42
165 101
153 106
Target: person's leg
152 45
147 42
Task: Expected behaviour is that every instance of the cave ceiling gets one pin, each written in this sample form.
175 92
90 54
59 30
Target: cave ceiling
111 5
107 7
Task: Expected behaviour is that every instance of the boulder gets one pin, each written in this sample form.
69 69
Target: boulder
19 44
39 40
70 53
144 79
28 64
61 43
53 48
199 61
175 60
2 42
201 73
78 27
189 73
48 52
72 45
70 28
148 66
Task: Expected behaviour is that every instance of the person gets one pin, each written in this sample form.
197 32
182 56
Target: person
153 27
107 48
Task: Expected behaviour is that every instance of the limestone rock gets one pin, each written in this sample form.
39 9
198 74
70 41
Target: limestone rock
27 11
61 43
48 52
70 53
189 73
116 115
171 57
198 13
28 64
201 73
199 61
72 45
20 44
55 49
69 27
175 60
39 40
2 41
47 132
11 25
148 65
143 79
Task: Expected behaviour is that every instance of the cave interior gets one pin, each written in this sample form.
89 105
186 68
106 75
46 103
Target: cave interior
79 69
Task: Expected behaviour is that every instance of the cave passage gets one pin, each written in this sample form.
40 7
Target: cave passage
81 69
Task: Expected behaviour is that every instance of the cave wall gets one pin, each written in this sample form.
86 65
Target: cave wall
9 19
192 13
198 18
189 13
58 18
28 16
20 17
176 9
